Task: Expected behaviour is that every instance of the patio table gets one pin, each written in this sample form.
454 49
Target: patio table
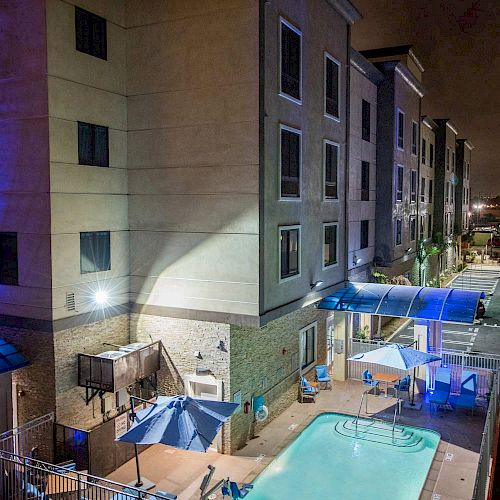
388 378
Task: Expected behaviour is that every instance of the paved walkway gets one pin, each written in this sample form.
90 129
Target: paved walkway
452 473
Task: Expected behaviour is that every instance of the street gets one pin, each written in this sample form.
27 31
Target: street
481 337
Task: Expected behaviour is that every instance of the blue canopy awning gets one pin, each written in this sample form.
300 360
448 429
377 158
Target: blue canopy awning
10 358
443 304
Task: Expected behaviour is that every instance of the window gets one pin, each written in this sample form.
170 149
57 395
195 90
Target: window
422 189
413 228
447 158
414 138
447 192
365 181
332 86
451 195
90 31
413 186
95 252
291 61
398 231
8 259
363 239
431 155
400 128
424 150
453 160
399 183
93 145
308 346
365 120
429 225
430 191
290 162
289 251
421 231
331 159
330 244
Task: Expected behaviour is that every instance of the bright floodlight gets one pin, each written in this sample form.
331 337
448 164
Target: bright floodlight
101 297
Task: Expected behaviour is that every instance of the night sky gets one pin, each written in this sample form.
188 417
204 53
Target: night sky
457 42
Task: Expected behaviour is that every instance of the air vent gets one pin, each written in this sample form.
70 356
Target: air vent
70 302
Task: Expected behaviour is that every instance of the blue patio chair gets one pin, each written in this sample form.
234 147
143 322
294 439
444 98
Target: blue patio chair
322 376
166 495
307 390
403 386
468 391
368 380
442 386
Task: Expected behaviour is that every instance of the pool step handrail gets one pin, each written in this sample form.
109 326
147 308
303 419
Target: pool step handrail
396 408
365 393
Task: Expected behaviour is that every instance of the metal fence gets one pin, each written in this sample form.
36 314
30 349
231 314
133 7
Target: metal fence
483 476
24 478
33 439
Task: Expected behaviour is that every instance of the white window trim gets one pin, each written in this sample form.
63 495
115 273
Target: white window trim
413 122
310 366
327 55
299 132
330 266
280 91
332 143
395 232
396 169
413 172
286 228
399 110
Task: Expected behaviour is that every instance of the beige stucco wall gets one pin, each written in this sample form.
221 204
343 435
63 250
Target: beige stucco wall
192 86
323 29
359 150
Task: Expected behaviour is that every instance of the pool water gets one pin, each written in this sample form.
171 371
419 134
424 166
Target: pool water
328 461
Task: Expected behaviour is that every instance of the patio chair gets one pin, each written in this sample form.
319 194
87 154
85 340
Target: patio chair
368 380
322 376
307 390
230 488
468 391
442 386
403 386
166 495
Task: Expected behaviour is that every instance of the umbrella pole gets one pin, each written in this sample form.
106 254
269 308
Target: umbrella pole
413 391
139 482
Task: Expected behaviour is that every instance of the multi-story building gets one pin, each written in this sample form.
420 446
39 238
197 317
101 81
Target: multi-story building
182 179
398 118
362 179
462 189
444 195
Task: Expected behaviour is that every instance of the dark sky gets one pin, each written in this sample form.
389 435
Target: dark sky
458 43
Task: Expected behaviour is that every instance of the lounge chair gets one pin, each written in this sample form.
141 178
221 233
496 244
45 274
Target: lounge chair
403 386
368 380
307 390
442 385
322 376
468 391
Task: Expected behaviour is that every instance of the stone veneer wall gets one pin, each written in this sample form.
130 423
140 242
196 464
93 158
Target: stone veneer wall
181 338
70 399
261 364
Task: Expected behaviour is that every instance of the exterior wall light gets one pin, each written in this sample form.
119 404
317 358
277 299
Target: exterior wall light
408 249
101 297
316 284
356 260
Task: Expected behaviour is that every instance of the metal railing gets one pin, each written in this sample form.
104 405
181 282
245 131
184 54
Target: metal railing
483 476
34 438
23 478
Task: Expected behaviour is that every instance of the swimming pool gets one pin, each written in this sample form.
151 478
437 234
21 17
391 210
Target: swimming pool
328 461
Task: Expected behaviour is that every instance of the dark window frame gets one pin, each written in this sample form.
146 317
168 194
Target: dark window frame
422 189
309 353
89 42
399 184
332 88
9 258
398 231
414 138
424 151
331 170
286 268
431 154
365 120
365 181
290 84
290 184
413 186
431 191
97 257
364 234
413 227
332 259
400 129
89 153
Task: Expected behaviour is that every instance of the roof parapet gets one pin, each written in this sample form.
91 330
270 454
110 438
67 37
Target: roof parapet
347 10
365 67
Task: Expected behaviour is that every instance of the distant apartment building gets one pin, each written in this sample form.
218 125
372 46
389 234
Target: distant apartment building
462 190
362 178
182 179
398 117
446 181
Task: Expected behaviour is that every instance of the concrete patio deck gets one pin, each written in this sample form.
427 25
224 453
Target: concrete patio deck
452 474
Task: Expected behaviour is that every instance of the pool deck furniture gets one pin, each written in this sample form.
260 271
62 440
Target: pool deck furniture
308 389
369 380
468 391
403 385
442 386
322 377
388 378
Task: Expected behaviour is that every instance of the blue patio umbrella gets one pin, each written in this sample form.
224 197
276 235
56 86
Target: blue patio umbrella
397 356
180 421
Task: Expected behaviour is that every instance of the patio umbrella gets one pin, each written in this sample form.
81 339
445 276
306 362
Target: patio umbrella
179 421
397 356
